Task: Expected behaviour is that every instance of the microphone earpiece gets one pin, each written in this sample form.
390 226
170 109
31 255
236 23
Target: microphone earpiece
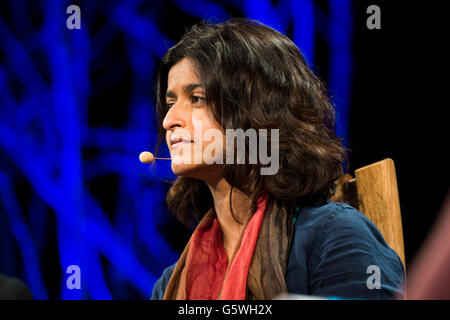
148 157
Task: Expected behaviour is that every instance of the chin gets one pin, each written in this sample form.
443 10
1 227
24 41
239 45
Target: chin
181 169
205 172
188 170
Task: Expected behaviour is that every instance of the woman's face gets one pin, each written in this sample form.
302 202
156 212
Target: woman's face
192 134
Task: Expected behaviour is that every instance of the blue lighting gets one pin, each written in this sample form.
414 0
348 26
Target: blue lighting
47 86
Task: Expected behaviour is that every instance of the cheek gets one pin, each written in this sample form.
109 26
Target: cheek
202 121
210 135
167 138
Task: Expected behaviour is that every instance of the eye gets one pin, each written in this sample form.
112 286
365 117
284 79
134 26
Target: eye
197 99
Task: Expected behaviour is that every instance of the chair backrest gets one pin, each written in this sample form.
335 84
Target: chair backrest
374 192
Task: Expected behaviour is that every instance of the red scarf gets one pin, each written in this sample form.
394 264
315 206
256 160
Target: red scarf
207 271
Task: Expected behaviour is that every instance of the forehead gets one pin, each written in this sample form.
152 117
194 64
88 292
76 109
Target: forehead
181 73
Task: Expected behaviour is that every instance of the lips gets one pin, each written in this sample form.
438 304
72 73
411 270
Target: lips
175 141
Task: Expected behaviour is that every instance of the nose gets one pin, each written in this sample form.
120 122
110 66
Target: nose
175 117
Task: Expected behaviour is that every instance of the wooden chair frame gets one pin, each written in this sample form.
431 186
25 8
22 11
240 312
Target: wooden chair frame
374 192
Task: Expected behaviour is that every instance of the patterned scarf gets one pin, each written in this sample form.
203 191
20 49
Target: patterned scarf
257 271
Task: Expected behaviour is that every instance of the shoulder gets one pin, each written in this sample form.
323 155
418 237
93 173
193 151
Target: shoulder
339 244
334 219
340 226
160 285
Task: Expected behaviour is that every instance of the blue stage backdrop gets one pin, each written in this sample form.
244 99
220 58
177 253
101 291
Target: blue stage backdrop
77 108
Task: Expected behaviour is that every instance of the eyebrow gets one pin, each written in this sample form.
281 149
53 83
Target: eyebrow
186 89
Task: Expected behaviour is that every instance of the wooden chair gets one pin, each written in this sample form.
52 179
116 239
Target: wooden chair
374 192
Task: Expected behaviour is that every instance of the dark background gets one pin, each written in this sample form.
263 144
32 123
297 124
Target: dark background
398 109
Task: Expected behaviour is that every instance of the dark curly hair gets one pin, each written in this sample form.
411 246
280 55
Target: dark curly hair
255 77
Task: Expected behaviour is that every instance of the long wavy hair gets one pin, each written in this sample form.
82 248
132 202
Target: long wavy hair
255 77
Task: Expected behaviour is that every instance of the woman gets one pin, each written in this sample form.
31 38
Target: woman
259 235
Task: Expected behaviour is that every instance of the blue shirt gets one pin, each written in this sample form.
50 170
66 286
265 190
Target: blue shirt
336 252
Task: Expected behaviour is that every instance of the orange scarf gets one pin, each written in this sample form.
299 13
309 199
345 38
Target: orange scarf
203 271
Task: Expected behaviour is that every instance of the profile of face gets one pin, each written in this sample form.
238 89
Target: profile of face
189 123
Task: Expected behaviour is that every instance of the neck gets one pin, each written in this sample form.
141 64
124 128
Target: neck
241 204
